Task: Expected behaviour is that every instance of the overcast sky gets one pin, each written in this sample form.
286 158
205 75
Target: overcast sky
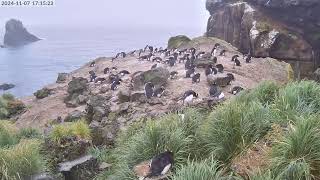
176 13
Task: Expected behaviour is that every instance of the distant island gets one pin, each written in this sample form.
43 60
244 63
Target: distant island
17 35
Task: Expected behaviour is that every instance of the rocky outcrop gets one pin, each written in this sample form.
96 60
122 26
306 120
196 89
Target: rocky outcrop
42 93
6 86
62 77
158 77
77 92
281 29
177 41
17 35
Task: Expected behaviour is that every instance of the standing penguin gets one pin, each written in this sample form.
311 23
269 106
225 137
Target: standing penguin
173 75
124 72
248 58
188 96
234 57
161 164
114 85
106 70
148 89
208 70
196 78
158 92
190 73
237 62
92 64
215 92
235 90
220 68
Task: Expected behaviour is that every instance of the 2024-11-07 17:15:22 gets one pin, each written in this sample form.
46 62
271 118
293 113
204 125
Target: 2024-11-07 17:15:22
6 3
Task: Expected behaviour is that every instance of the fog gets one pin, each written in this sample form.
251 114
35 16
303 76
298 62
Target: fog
106 13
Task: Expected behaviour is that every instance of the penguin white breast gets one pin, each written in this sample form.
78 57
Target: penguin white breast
221 96
189 98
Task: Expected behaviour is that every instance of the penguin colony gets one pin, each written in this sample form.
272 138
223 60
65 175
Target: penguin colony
158 57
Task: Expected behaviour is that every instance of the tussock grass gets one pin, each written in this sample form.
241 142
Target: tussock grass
233 127
265 93
20 160
297 155
205 170
297 99
170 132
78 129
29 133
7 134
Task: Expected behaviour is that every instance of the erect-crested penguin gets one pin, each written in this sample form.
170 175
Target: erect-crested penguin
148 89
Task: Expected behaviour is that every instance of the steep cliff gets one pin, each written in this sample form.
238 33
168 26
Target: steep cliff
281 29
17 35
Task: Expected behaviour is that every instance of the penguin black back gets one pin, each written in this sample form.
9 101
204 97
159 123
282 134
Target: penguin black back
220 68
196 78
160 162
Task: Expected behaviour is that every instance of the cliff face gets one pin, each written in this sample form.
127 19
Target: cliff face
282 29
17 35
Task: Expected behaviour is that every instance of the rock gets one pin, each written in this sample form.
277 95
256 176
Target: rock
17 35
177 41
124 95
316 75
42 176
158 77
74 116
104 166
124 107
97 108
282 29
81 168
62 77
138 96
105 88
202 63
220 79
42 93
6 86
77 92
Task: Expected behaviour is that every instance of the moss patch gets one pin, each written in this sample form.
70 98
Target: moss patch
177 41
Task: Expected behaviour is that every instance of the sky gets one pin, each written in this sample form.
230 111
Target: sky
174 13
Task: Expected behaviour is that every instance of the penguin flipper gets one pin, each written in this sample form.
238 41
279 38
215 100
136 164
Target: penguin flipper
166 169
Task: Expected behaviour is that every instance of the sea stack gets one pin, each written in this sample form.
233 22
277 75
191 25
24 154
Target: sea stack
17 35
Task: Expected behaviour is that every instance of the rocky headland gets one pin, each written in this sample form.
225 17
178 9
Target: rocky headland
17 35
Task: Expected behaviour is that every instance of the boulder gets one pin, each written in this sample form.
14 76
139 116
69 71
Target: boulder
62 77
42 93
124 95
158 77
202 63
74 116
77 92
138 96
6 86
17 35
97 108
177 41
82 168
221 80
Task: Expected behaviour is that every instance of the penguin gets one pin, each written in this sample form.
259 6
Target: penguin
161 164
173 75
185 57
114 85
215 60
123 54
148 89
231 76
234 57
113 78
192 50
214 52
92 64
188 96
99 80
220 68
124 72
248 59
140 52
208 70
223 52
214 71
146 57
92 73
93 77
237 62
157 59
188 64
132 52
196 78
190 73
151 49
147 46
172 61
106 70
154 66
200 54
235 90
158 92
215 92
114 68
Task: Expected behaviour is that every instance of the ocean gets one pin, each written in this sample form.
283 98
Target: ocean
65 49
